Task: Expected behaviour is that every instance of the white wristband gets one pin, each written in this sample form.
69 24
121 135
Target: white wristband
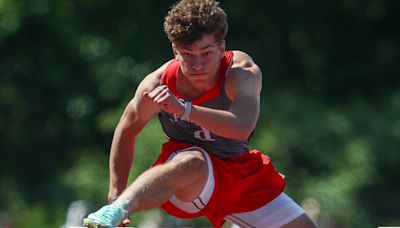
188 109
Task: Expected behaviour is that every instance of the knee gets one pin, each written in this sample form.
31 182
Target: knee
190 161
191 170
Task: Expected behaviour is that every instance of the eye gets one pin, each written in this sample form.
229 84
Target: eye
208 53
186 55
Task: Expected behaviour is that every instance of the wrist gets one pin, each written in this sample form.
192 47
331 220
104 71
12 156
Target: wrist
181 109
187 111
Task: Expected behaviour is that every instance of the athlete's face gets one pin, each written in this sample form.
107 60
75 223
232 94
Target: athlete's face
200 61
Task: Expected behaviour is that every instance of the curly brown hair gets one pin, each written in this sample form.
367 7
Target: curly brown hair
189 20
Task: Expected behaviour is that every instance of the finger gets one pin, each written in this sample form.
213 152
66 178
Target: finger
156 91
124 223
161 97
161 94
147 95
127 221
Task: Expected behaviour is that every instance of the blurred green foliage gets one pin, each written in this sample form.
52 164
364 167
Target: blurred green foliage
330 109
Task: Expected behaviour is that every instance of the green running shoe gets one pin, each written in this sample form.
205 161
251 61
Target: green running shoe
109 216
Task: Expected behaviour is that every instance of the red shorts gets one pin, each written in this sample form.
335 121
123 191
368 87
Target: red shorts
242 184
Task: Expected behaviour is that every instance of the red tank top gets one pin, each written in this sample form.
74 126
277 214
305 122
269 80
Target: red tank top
186 131
169 78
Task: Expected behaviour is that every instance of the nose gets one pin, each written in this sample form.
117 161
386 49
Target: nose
197 63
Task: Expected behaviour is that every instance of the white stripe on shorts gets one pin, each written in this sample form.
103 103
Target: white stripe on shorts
200 202
276 213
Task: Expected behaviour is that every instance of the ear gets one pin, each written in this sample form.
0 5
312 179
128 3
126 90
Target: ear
174 50
222 48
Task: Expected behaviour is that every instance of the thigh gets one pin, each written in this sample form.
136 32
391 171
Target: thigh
188 207
279 212
199 189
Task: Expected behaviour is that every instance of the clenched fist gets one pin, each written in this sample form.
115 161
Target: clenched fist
167 101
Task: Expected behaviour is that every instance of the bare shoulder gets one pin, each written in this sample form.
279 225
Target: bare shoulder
243 60
244 74
139 103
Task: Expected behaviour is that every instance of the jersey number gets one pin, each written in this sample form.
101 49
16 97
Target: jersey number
203 135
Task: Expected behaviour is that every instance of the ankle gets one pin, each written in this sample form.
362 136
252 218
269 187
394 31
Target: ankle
128 205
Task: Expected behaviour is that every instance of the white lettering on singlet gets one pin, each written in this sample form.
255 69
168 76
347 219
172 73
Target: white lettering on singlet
203 135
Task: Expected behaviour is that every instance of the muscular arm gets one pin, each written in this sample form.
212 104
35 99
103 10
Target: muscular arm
243 87
136 115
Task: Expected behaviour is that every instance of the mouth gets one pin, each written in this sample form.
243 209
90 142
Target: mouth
199 74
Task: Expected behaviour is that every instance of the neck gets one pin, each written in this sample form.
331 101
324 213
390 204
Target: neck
192 91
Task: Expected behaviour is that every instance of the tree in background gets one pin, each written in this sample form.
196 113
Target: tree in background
330 117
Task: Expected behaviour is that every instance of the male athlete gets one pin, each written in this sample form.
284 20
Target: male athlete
208 102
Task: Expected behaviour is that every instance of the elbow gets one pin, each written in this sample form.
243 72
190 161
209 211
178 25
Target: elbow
243 132
245 128
125 129
128 124
242 135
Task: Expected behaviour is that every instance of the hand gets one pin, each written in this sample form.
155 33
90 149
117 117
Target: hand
126 222
164 98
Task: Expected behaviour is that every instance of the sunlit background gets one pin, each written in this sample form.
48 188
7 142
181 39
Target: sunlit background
330 116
